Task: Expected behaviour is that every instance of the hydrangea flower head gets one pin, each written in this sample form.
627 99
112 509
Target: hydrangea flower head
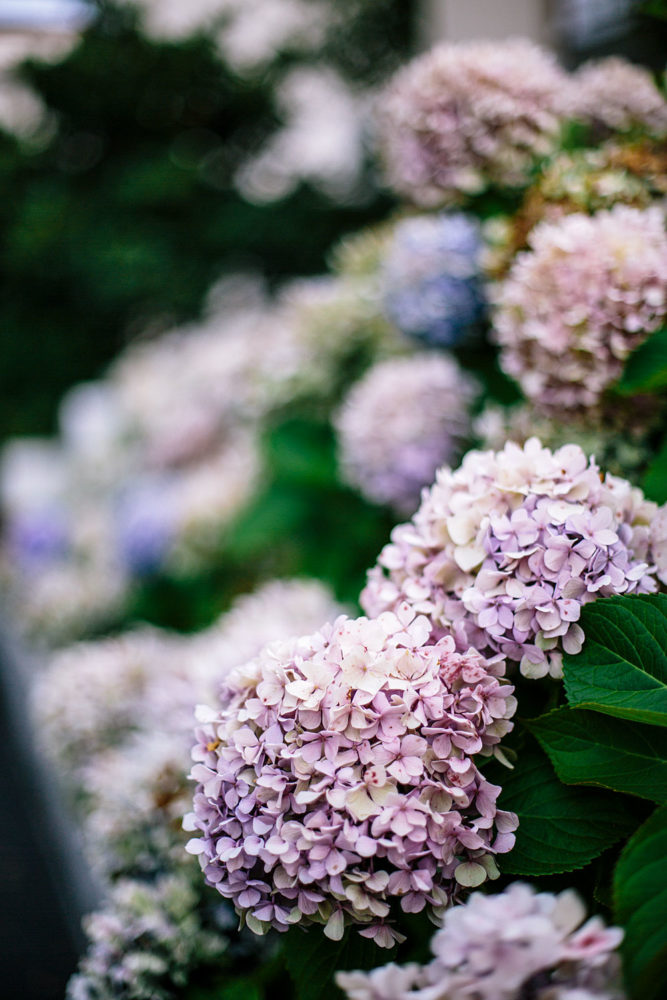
617 95
581 180
148 937
507 549
574 306
515 944
399 423
431 278
339 777
464 116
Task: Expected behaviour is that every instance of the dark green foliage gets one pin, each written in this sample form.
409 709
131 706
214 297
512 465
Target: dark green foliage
561 828
587 748
640 894
655 480
622 669
646 368
312 959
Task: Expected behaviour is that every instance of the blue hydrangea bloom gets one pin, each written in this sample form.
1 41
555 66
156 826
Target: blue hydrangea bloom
432 286
144 532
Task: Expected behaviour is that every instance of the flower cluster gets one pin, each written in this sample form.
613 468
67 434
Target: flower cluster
338 777
399 423
320 143
156 459
339 316
516 944
250 33
463 117
95 694
581 180
146 940
430 277
614 94
505 550
621 437
574 306
116 718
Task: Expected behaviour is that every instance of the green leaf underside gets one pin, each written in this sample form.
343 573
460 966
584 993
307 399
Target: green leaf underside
622 668
561 828
586 748
646 368
640 894
312 960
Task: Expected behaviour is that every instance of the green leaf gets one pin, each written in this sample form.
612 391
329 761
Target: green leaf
590 749
655 480
622 668
640 893
561 828
239 989
646 368
312 959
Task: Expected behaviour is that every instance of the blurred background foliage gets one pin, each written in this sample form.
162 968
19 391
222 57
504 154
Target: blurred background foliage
119 214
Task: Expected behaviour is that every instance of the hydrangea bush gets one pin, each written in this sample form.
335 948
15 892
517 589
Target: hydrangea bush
355 780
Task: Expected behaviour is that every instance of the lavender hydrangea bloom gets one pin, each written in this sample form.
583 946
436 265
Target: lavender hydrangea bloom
339 777
507 549
399 423
37 537
462 117
431 277
574 306
506 947
614 93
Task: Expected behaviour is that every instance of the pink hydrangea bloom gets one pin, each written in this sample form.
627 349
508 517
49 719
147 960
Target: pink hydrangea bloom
620 96
505 550
574 306
464 116
339 777
505 947
402 420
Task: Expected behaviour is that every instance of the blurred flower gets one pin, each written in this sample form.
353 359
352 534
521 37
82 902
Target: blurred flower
505 550
399 423
349 747
22 112
116 717
614 93
581 180
94 694
463 117
622 437
574 306
145 525
506 947
146 940
431 279
320 142
335 318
